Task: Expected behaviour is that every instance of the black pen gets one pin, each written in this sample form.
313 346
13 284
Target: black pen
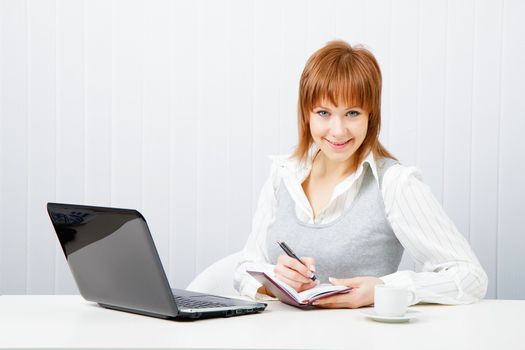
291 254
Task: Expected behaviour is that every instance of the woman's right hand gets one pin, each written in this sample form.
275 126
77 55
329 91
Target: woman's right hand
295 274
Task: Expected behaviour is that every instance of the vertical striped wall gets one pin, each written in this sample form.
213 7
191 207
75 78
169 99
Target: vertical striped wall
172 107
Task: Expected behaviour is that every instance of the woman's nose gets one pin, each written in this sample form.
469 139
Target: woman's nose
337 127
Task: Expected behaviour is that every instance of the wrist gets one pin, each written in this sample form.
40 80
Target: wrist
263 290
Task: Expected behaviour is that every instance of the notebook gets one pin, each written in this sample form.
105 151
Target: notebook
114 262
290 296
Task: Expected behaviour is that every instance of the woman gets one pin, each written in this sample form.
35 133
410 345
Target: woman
346 205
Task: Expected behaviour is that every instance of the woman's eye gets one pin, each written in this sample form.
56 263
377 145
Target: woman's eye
353 113
322 113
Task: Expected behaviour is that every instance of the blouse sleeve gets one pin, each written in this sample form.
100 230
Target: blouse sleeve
450 272
254 255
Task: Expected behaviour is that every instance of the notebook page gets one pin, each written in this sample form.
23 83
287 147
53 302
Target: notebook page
271 274
285 286
319 290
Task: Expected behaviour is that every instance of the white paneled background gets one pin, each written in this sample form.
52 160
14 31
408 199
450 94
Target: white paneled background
172 107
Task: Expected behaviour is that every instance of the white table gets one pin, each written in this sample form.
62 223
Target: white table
72 322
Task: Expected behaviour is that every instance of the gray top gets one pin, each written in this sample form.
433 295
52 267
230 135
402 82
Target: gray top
358 243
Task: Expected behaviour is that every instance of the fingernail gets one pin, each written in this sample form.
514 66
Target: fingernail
312 267
331 279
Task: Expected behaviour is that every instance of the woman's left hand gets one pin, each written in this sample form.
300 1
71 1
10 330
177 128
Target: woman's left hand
362 293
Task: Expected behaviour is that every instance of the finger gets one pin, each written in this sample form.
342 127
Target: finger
309 262
293 264
333 299
299 287
294 284
291 274
337 302
337 306
309 285
298 266
348 282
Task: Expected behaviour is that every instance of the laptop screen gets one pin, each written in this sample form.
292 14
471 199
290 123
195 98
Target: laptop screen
112 257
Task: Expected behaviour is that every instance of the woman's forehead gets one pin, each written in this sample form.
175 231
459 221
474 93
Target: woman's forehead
337 101
328 104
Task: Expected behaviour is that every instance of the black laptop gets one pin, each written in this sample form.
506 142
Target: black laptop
114 261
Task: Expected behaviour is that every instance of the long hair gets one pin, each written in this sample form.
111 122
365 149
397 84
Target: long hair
346 75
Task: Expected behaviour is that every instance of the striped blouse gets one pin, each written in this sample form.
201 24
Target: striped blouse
449 272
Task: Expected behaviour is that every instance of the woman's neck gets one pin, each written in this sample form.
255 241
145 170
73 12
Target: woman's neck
323 167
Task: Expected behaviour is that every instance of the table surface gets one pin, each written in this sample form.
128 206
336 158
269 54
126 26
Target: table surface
29 321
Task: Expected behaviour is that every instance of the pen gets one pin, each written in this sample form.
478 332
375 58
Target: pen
291 254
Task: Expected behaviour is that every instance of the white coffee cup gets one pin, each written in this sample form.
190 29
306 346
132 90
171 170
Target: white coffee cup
392 301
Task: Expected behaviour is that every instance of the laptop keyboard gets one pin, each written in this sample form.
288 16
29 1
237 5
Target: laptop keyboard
192 303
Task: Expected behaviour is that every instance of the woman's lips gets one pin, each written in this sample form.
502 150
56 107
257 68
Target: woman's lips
338 145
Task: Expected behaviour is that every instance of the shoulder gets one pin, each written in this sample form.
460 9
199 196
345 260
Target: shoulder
398 177
283 166
401 184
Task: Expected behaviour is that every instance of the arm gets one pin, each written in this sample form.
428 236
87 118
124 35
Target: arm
254 254
451 273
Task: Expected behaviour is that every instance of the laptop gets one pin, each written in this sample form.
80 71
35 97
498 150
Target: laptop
114 262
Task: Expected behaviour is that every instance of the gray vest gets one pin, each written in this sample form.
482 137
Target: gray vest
358 243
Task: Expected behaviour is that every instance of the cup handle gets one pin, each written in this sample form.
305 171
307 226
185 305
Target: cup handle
411 297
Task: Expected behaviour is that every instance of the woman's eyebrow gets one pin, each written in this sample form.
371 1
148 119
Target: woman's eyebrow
346 109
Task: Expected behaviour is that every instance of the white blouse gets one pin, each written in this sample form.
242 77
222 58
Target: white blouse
450 272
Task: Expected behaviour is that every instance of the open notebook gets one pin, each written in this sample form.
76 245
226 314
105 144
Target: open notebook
288 295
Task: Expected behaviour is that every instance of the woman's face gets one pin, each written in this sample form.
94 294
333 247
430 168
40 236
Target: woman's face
338 130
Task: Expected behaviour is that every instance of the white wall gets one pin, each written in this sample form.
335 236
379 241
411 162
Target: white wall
171 107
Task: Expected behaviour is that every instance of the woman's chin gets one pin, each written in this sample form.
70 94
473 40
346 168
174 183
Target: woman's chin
339 157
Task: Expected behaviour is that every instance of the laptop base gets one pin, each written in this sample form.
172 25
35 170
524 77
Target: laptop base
183 316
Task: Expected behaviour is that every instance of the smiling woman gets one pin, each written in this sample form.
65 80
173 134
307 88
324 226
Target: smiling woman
347 206
339 131
340 74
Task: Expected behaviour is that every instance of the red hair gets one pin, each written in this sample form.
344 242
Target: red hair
346 75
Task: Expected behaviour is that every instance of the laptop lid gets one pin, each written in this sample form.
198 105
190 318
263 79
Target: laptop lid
114 262
112 257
